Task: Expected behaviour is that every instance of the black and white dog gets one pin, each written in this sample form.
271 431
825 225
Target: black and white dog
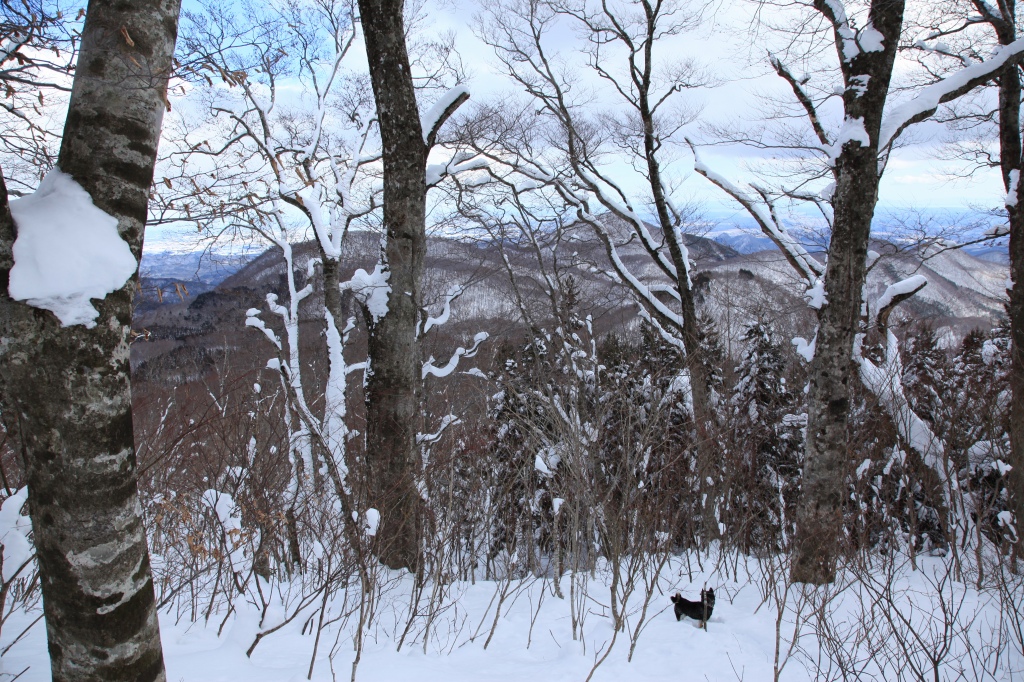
698 610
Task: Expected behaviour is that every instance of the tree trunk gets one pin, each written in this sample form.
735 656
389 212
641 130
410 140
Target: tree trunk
66 396
1010 160
393 385
1016 310
704 416
833 374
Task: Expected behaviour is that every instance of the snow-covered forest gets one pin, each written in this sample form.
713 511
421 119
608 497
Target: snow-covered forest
643 339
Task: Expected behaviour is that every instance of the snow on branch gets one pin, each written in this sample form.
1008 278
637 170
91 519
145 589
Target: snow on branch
427 438
885 381
67 251
463 162
853 130
801 96
643 292
854 42
895 294
761 212
441 319
928 100
314 210
997 231
429 368
9 46
252 319
942 49
371 289
15 543
441 111
1011 193
804 348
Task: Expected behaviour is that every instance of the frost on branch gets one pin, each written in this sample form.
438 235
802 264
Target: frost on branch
67 251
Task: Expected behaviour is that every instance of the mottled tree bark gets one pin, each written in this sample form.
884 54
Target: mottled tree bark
833 374
1010 152
1016 310
393 385
1010 160
65 392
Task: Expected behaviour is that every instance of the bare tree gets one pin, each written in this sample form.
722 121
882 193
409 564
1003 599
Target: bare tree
564 138
38 51
854 158
957 33
65 390
393 389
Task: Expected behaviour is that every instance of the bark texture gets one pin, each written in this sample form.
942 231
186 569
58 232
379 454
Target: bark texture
66 395
1016 310
1010 160
394 383
833 374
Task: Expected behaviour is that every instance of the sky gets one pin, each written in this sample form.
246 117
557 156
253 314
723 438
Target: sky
726 42
732 46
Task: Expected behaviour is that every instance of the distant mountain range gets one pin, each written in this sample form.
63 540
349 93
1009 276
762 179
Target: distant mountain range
198 271
742 233
736 281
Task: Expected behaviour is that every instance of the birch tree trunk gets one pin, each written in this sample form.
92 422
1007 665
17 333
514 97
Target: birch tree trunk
394 383
65 393
833 374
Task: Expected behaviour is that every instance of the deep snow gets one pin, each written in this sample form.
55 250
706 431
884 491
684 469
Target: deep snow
739 643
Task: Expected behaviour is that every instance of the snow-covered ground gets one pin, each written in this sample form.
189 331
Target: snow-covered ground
533 638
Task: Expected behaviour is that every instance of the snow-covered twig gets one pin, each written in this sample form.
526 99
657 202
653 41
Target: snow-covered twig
430 369
804 264
924 104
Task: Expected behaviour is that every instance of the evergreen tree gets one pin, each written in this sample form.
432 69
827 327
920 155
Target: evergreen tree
763 462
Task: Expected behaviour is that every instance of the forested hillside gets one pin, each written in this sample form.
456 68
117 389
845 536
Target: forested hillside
374 339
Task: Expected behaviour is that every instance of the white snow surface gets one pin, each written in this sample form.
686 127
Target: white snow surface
14 530
852 131
533 639
67 251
